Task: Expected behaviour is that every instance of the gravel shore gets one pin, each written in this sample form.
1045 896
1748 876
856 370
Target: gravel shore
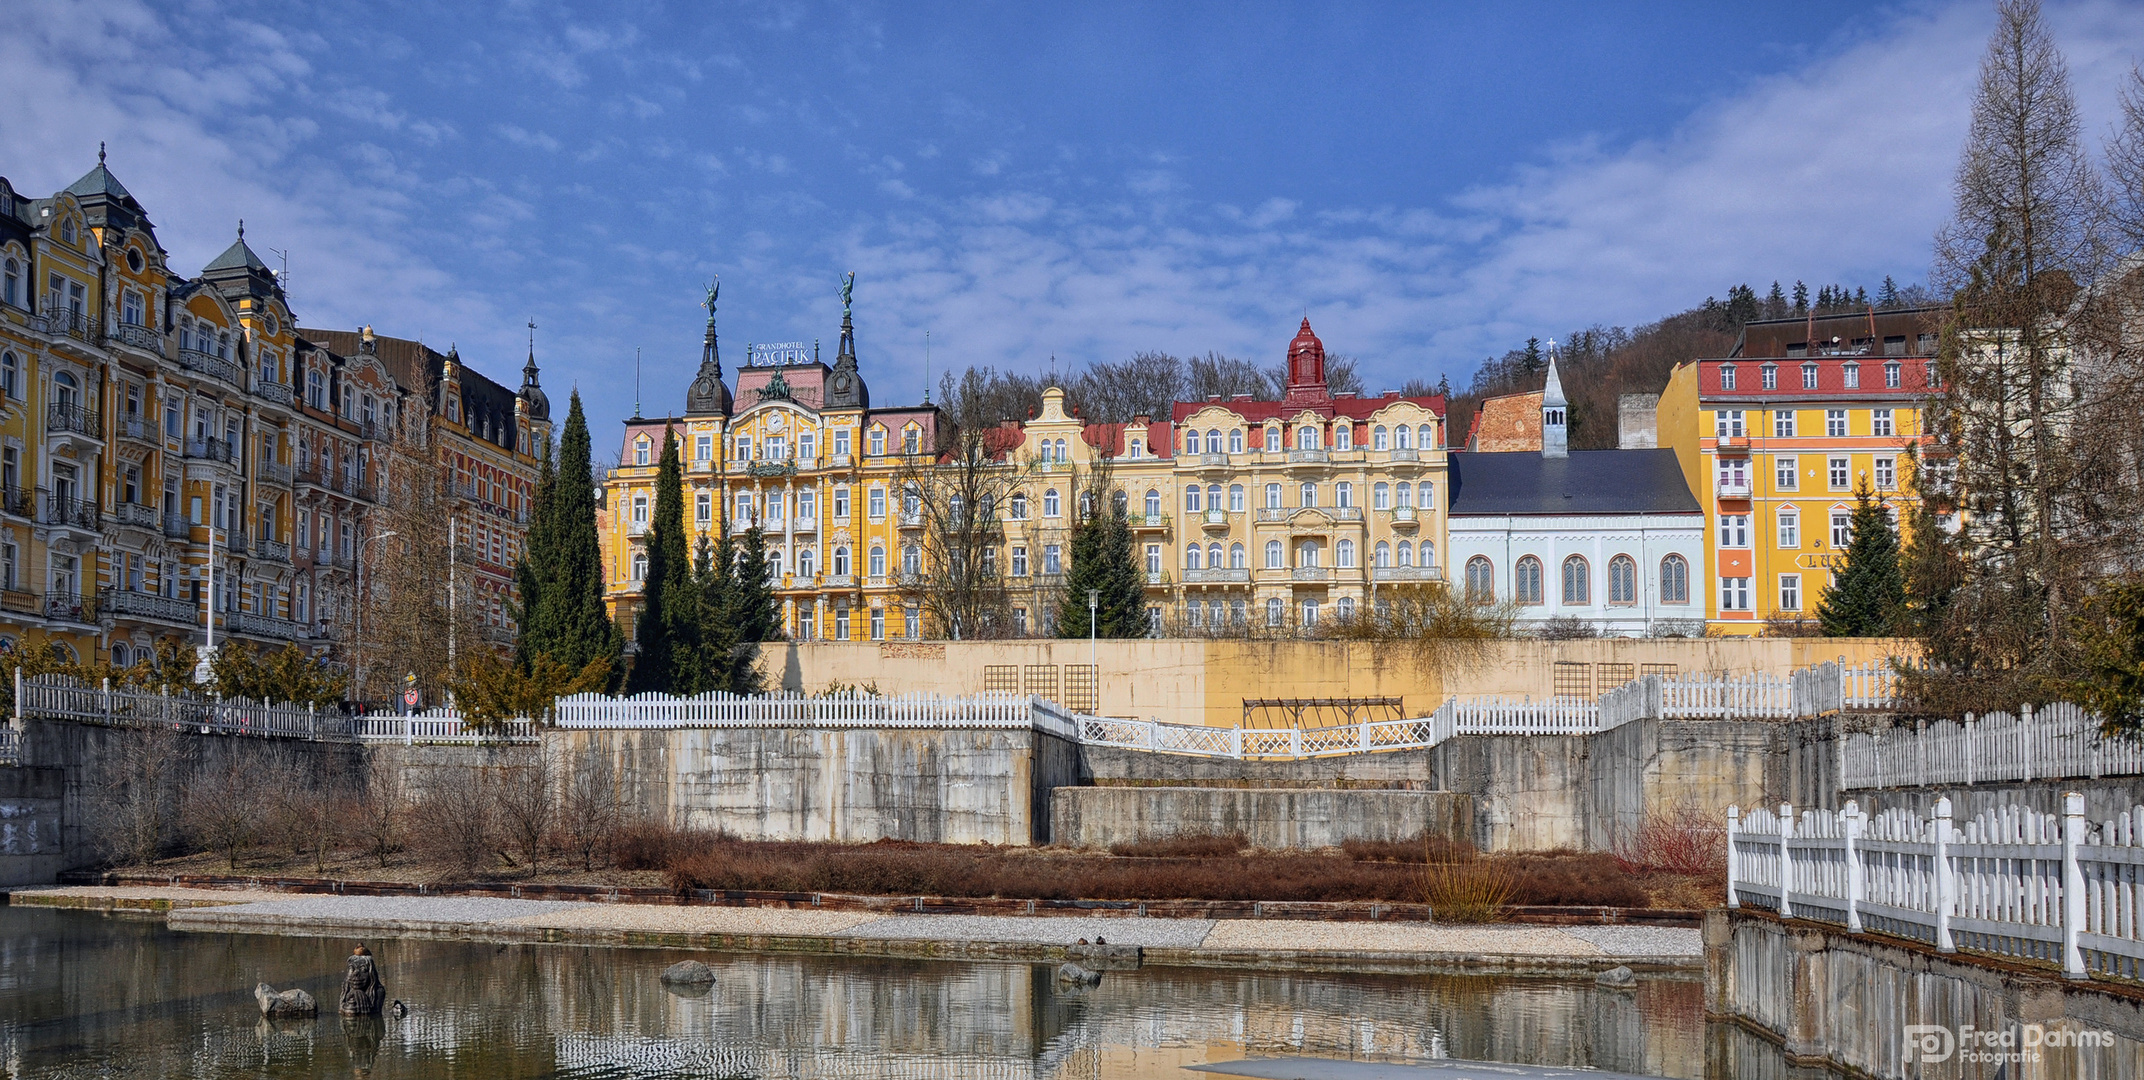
211 909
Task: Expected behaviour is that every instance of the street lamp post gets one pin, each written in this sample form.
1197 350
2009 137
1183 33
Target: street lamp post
1094 600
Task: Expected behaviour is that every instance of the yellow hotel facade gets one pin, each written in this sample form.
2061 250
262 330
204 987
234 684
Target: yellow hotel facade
1776 439
174 450
1247 515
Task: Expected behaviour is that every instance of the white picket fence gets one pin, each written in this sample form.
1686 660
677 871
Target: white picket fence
2013 882
58 697
591 711
2058 741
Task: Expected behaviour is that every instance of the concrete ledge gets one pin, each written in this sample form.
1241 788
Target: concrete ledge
1274 818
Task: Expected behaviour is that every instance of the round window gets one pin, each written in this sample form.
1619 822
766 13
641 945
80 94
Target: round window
134 262
272 326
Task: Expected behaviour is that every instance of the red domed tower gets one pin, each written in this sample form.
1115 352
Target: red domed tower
1306 372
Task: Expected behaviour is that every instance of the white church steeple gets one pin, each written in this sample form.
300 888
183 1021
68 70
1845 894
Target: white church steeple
1555 409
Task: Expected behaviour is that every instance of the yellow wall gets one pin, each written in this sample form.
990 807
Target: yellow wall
1204 681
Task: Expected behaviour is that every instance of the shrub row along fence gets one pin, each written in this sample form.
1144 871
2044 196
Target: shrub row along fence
2058 741
2012 882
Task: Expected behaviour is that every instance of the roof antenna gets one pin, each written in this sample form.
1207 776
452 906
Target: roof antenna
926 367
636 380
282 277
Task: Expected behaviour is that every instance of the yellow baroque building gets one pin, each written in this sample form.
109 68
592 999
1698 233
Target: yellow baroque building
175 450
1776 438
1249 516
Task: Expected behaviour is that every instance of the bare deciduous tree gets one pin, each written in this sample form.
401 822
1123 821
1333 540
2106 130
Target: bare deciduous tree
590 808
959 502
527 799
137 785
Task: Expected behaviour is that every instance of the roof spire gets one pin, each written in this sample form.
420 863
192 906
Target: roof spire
241 230
100 151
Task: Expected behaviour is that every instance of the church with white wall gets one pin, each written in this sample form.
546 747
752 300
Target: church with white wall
1613 538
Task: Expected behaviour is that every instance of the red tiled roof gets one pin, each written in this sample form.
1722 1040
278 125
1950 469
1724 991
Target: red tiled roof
1111 438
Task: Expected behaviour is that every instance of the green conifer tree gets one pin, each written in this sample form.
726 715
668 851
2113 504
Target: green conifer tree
754 610
724 665
561 572
1868 598
1102 562
668 631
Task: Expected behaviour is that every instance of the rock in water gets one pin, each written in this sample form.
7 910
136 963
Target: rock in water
1069 974
1617 977
292 1002
689 972
362 991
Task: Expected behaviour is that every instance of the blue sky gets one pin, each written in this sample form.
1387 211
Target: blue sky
1431 183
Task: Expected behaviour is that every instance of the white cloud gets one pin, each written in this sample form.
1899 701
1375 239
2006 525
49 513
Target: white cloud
520 136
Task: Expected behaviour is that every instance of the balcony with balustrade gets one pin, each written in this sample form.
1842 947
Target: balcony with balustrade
1212 462
71 607
128 515
274 393
1406 573
1733 489
1214 521
265 626
73 422
138 429
137 337
274 551
275 473
1404 518
1149 522
81 515
176 527
804 524
126 604
841 581
1307 459
1310 573
910 519
18 503
204 448
1403 456
76 331
1218 575
213 366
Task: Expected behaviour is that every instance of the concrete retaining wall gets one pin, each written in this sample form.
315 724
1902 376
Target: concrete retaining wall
1845 1001
32 822
929 785
1267 817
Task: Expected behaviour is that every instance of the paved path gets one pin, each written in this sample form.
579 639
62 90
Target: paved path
1244 942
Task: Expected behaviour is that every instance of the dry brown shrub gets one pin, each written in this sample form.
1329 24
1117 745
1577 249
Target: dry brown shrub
1426 848
1468 890
1185 845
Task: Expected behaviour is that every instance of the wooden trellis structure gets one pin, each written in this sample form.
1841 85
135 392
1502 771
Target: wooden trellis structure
1321 712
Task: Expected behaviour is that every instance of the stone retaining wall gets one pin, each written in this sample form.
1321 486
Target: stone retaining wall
1274 818
1845 1002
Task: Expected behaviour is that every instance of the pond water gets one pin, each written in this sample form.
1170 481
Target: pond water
89 995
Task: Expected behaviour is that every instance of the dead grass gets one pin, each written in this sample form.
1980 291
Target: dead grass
649 855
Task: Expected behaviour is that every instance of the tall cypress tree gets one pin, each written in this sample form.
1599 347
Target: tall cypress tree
1869 596
561 573
668 631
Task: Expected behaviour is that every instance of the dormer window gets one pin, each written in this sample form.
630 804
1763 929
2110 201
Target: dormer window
1808 376
1272 440
1306 438
878 442
1138 448
1853 376
1344 437
1891 378
1727 376
640 450
911 439
1770 376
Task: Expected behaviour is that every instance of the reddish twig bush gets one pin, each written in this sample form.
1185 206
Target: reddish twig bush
1682 840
